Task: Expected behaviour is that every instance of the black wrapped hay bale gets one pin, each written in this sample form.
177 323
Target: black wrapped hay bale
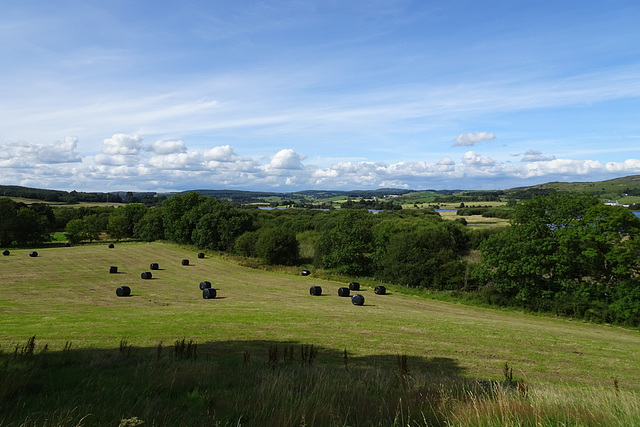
380 290
201 255
33 254
208 293
154 266
204 285
305 272
357 299
315 290
123 291
343 292
354 286
113 269
185 262
111 246
146 275
6 253
67 245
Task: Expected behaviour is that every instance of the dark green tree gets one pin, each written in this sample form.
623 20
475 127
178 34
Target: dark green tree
347 246
277 246
560 248
150 227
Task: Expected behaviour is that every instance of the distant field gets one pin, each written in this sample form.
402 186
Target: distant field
62 204
68 294
475 220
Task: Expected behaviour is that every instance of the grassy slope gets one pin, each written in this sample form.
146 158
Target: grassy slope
67 294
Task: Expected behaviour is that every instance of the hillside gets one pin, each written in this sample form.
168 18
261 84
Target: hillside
625 190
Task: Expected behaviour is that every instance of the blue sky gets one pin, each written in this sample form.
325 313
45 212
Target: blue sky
295 95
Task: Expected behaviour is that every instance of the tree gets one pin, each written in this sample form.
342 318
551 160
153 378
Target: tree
180 217
559 247
346 247
8 213
75 231
150 227
92 227
427 257
277 246
117 228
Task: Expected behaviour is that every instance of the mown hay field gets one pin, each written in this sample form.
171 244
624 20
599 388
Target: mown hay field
66 295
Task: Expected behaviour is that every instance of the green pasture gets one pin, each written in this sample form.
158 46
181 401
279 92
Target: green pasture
67 295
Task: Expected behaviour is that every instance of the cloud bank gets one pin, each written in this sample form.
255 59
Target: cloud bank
125 162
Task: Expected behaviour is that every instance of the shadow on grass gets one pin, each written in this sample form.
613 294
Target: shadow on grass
188 383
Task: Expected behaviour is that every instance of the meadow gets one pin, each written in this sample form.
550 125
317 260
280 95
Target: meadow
266 352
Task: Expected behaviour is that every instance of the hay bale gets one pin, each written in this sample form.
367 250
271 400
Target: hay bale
33 254
154 266
123 291
208 293
380 290
185 262
305 272
204 285
357 299
354 286
201 255
315 290
6 253
67 245
146 275
111 246
343 292
113 269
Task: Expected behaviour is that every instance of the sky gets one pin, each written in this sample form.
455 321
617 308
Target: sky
289 95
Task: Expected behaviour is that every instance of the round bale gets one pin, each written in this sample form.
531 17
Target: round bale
6 253
33 254
201 255
185 262
380 290
146 275
208 293
315 290
111 246
154 266
123 291
67 245
305 272
354 286
343 292
113 269
204 285
357 299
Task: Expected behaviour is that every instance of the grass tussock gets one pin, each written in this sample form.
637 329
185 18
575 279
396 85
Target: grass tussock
279 384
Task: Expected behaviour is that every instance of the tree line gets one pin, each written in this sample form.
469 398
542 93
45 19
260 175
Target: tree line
564 254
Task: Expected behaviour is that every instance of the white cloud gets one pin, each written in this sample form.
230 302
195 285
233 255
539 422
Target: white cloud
168 147
469 139
122 144
446 161
177 161
23 153
536 156
471 158
287 159
223 153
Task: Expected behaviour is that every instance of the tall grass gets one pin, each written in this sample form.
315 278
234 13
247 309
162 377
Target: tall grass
132 385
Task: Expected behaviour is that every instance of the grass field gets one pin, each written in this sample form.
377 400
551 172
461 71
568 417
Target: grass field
66 298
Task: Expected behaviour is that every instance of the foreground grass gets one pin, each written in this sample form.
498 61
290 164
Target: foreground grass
279 384
98 358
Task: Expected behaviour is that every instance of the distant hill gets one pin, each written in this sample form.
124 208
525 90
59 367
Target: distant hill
625 190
